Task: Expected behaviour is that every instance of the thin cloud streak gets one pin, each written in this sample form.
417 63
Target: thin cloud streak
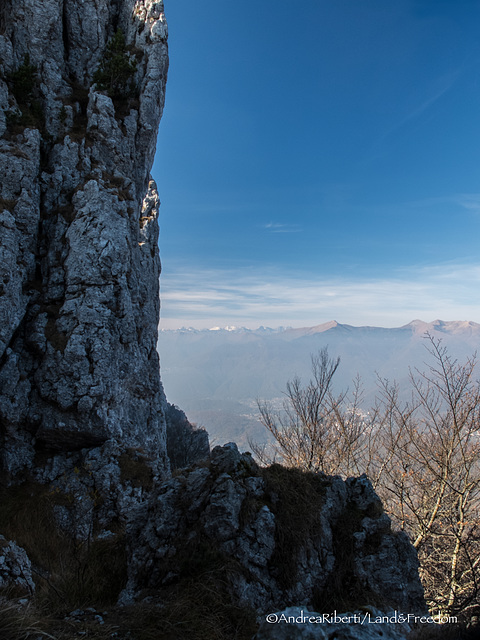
469 201
274 227
442 86
207 298
466 201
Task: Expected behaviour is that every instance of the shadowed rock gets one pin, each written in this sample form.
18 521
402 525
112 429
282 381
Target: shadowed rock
284 537
79 270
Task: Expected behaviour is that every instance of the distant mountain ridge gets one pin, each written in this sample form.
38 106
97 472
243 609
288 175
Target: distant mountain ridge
416 326
215 375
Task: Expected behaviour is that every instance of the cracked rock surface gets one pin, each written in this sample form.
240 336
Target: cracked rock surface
79 263
282 537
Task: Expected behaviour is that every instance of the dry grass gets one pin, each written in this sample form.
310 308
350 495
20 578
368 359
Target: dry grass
20 624
196 608
343 590
68 574
296 500
135 468
192 599
26 516
446 632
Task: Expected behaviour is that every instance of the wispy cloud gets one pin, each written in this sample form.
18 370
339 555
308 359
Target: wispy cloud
466 201
469 201
267 297
274 227
440 88
421 104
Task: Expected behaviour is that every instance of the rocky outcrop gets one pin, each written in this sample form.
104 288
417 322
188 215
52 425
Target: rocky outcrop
283 537
79 264
15 569
186 443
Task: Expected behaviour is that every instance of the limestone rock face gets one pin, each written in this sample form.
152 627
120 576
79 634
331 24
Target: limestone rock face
283 537
79 264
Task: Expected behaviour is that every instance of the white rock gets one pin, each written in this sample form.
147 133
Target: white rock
79 264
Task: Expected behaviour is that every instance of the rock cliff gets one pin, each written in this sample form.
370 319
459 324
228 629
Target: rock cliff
82 87
88 512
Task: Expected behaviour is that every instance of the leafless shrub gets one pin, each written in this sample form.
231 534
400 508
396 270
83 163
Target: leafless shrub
422 456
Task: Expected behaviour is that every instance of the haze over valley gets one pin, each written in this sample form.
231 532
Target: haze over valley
215 375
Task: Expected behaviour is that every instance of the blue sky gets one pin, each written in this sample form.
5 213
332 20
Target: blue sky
320 160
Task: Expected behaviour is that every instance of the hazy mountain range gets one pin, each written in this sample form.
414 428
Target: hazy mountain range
216 375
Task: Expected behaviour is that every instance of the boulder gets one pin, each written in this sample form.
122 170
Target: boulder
15 569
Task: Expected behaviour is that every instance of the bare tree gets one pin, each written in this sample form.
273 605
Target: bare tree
421 454
317 430
428 475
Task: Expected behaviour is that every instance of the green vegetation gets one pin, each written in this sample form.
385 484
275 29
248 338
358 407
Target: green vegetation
23 81
23 84
116 70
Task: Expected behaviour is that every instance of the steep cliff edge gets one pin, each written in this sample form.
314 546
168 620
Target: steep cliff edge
87 516
79 262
